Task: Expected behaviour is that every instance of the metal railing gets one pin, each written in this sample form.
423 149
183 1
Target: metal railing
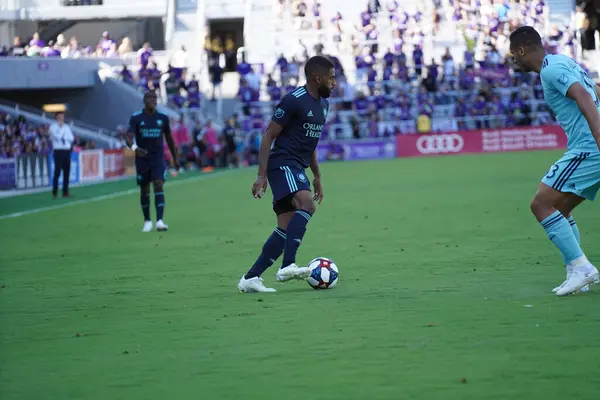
108 138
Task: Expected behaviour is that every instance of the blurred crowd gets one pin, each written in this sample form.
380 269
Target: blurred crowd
19 136
400 88
394 79
107 47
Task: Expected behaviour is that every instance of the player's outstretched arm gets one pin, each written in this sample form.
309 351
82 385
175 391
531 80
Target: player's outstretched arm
273 130
314 167
588 107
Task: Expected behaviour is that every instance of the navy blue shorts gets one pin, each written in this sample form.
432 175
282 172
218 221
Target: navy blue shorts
285 181
150 170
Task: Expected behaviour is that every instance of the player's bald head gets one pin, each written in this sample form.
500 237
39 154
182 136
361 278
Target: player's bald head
150 100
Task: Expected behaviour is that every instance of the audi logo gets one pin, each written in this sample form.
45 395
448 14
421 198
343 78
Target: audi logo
440 144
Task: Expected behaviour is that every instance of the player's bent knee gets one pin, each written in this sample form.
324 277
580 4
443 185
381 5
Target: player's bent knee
158 186
310 207
303 201
145 189
539 204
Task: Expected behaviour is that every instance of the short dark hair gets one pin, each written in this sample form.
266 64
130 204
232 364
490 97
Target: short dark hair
525 36
316 65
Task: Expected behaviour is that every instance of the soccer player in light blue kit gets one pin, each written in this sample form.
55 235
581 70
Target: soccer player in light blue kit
574 99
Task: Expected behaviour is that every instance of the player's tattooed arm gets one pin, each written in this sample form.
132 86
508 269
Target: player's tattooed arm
588 107
171 144
273 130
314 167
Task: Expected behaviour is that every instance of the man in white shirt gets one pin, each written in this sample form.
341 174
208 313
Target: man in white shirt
62 144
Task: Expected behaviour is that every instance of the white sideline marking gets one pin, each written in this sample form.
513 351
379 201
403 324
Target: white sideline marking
110 196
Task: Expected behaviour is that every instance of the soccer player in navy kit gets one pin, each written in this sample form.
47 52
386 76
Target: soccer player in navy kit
294 132
145 137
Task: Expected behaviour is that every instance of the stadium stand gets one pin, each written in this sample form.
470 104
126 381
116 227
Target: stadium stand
403 67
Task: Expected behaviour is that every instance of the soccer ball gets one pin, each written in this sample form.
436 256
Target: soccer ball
324 273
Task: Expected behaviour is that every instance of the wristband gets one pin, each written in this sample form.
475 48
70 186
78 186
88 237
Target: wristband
134 147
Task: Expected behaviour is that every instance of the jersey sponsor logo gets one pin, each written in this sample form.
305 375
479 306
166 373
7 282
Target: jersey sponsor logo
313 130
562 79
440 144
151 132
279 113
310 114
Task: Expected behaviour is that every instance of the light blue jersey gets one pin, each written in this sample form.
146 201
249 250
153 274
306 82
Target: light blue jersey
558 74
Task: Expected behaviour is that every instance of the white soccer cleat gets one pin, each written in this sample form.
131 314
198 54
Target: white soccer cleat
584 289
147 226
581 276
292 271
253 285
161 226
569 269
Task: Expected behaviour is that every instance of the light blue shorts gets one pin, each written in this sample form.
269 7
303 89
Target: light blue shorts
577 173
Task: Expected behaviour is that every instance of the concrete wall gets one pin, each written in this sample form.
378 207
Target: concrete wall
47 73
224 9
53 9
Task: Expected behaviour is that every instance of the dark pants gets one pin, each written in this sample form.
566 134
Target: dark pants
62 162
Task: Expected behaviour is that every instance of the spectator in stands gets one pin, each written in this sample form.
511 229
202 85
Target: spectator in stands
18 48
112 51
193 93
125 47
230 140
105 44
216 79
72 49
127 76
246 95
62 144
211 144
36 41
181 136
144 55
52 50
179 61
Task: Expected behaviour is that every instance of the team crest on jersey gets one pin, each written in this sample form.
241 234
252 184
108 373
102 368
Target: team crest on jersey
159 122
302 177
562 79
279 113
324 112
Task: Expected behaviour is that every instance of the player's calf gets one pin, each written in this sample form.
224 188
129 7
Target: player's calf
145 202
305 208
159 204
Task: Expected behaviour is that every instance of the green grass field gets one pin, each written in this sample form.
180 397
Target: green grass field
444 292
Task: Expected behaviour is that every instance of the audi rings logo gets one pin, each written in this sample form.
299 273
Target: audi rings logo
440 144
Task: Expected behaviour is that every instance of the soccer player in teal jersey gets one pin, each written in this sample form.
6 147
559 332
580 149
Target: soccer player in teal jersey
574 99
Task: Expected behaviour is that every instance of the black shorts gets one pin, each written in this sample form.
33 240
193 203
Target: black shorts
285 182
150 170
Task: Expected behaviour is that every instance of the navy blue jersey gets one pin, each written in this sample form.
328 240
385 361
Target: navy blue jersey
149 130
302 118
